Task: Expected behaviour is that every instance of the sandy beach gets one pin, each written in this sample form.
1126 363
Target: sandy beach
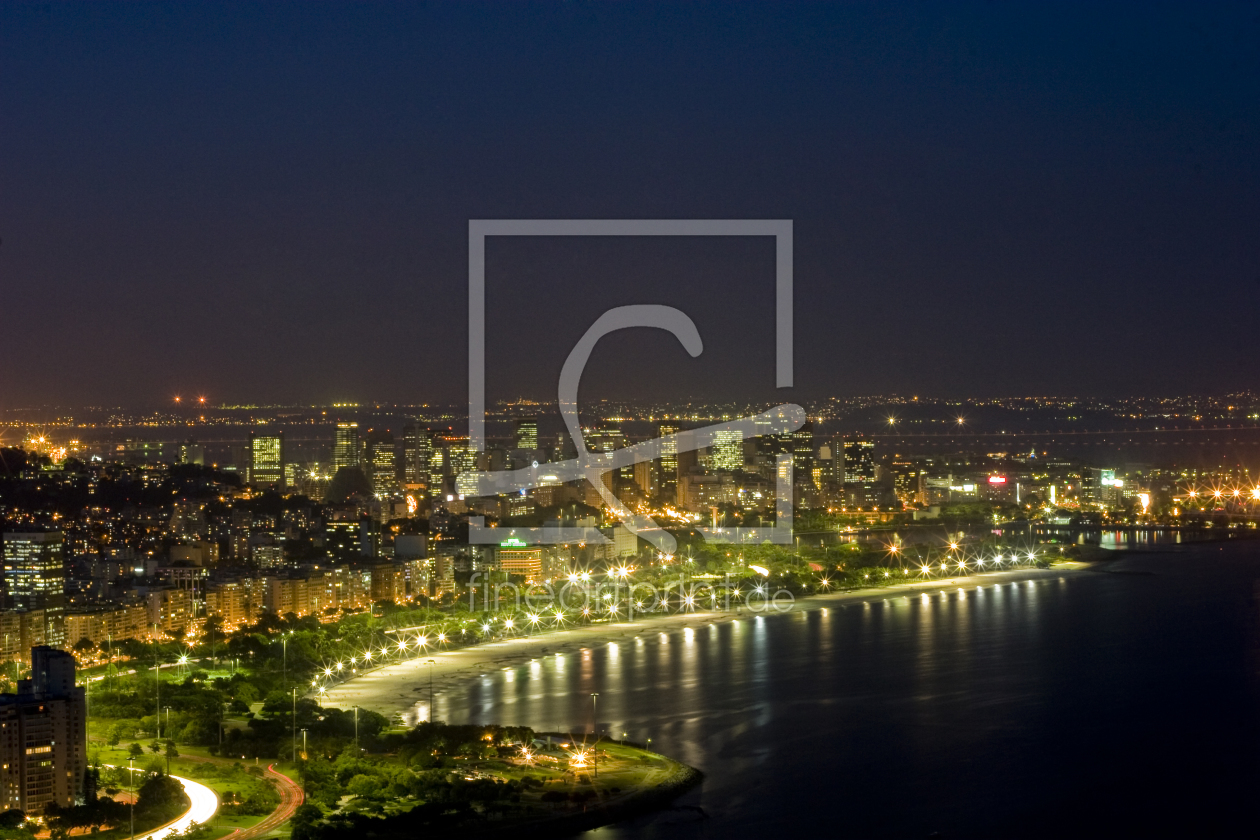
402 688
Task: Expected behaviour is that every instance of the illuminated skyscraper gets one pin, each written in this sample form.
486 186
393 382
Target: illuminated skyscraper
669 458
437 470
645 475
609 439
383 465
43 745
417 453
801 445
346 446
527 432
35 579
266 460
859 461
728 451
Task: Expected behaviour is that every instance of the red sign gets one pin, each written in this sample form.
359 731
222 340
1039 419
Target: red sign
997 479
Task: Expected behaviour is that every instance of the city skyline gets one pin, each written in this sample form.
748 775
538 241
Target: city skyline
663 419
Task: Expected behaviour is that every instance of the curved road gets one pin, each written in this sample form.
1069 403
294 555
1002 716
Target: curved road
290 798
204 802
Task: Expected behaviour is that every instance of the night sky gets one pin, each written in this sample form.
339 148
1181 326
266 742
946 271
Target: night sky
269 203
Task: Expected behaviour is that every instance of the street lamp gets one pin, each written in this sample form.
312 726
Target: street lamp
431 663
131 776
293 726
157 670
595 732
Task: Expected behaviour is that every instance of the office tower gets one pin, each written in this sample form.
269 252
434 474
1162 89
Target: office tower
826 467
728 450
240 461
417 452
190 452
346 446
801 445
382 464
35 579
859 471
527 432
669 458
43 736
461 462
859 461
609 440
836 445
646 476
437 470
907 480
266 460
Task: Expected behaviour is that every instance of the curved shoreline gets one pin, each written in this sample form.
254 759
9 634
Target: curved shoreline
402 688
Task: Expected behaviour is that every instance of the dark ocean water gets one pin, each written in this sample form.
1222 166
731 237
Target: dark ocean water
1107 703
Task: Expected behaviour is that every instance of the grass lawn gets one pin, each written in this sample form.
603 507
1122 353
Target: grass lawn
222 826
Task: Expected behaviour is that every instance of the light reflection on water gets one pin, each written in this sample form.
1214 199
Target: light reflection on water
958 697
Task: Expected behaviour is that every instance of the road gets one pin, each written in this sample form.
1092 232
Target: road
204 804
290 798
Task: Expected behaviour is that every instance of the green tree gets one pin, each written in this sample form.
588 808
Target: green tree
116 732
171 752
364 785
303 821
135 750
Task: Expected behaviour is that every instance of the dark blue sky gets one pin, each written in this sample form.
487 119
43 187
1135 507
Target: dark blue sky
269 202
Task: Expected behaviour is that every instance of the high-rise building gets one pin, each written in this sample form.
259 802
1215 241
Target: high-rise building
461 462
609 439
669 458
859 471
437 471
43 736
191 452
907 480
266 460
645 475
859 461
527 432
801 445
35 579
346 446
417 452
383 465
728 450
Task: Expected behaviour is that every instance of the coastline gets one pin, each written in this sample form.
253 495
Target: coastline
402 688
